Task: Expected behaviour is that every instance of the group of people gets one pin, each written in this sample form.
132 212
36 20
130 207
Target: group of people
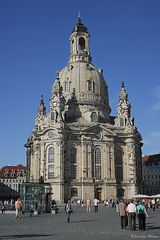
6 205
129 212
88 204
69 210
18 208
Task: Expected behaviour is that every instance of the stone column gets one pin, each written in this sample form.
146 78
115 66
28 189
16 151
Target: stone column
36 160
89 161
82 165
42 173
109 159
61 171
112 161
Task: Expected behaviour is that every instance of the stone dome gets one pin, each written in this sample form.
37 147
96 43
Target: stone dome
82 84
88 85
86 81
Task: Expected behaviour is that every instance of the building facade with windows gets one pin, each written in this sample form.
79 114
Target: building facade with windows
11 177
77 146
151 174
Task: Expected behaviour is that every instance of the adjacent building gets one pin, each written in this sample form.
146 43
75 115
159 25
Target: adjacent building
10 179
78 147
151 174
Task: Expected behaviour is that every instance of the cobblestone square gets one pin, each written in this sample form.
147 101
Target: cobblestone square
83 226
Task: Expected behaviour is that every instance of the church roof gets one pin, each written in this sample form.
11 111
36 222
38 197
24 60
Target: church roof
80 27
10 170
149 159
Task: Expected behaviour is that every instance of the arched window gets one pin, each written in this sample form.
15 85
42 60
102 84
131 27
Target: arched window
72 46
119 166
51 155
67 85
51 161
52 116
73 163
81 45
93 87
121 122
97 163
94 117
89 85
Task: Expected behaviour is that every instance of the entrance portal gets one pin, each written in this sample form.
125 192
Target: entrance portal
98 193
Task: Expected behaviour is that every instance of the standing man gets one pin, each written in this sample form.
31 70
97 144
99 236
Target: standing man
153 204
131 209
88 205
122 213
68 209
96 202
18 207
142 214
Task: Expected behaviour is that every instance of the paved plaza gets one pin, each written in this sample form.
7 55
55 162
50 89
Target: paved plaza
83 226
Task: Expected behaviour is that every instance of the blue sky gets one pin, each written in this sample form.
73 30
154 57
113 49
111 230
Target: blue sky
34 43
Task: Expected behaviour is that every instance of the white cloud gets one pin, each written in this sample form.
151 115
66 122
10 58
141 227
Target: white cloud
155 107
147 142
152 139
156 93
155 135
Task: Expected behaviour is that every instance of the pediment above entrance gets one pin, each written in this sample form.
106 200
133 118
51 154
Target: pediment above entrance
98 132
50 133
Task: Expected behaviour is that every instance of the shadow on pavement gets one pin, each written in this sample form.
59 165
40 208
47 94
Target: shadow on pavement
152 227
25 236
87 220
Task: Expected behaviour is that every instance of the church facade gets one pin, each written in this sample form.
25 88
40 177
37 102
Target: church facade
78 147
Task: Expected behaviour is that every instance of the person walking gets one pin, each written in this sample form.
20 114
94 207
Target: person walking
18 207
122 213
68 209
153 204
88 205
3 208
31 210
142 214
96 202
131 210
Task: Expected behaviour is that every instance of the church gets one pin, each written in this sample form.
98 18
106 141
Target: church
77 147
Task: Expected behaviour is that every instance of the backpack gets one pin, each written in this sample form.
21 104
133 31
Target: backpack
141 211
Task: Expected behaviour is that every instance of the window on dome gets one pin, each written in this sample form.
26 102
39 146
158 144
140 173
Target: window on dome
72 46
67 85
89 85
93 87
81 45
121 122
52 116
